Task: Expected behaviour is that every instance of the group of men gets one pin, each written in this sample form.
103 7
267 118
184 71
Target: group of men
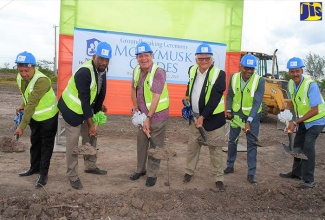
85 93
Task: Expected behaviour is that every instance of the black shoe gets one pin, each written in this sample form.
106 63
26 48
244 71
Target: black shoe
229 170
76 184
220 186
307 185
96 171
151 181
28 172
187 178
135 176
251 179
289 175
42 180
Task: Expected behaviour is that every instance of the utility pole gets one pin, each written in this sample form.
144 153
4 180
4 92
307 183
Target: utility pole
55 56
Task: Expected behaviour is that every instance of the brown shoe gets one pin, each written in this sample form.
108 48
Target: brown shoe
187 178
289 175
220 186
96 171
135 175
76 184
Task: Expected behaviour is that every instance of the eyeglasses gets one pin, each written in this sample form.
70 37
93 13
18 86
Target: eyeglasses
249 68
207 59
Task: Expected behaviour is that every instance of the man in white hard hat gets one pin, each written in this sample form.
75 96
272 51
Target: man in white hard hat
82 98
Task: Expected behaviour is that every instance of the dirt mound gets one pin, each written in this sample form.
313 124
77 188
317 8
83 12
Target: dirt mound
85 149
11 145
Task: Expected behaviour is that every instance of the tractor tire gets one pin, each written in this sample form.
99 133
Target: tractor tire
264 117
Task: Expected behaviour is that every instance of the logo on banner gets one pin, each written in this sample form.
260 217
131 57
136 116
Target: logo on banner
311 11
91 46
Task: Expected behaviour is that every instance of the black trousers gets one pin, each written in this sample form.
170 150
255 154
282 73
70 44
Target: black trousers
42 140
305 139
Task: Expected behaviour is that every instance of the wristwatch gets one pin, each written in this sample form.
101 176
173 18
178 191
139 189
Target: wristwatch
295 123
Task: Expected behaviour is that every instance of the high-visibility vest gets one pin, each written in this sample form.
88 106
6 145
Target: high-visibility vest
164 98
47 106
213 76
244 99
301 102
70 93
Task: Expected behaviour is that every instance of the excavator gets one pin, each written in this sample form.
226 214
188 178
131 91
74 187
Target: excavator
276 96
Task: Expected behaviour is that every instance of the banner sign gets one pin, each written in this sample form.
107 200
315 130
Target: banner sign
173 55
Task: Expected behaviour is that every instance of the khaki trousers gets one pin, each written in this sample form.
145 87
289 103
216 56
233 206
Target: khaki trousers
72 140
145 163
216 154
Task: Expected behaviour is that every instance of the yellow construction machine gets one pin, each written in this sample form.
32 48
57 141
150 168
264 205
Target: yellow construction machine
276 92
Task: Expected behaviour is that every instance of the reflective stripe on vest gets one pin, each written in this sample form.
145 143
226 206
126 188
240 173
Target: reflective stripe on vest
301 102
70 93
244 99
47 106
164 98
211 80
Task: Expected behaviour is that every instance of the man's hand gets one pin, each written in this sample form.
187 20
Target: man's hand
134 109
228 115
19 109
199 122
146 126
91 128
187 99
247 127
104 109
19 132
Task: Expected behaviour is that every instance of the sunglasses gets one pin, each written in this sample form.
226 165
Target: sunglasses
207 59
249 68
24 65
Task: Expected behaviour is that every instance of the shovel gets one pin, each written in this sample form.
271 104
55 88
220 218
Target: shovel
248 132
286 116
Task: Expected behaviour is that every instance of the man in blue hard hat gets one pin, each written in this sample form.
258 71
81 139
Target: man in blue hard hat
205 95
40 113
149 95
244 102
309 107
82 98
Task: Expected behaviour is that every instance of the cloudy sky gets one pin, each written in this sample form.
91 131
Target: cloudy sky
268 25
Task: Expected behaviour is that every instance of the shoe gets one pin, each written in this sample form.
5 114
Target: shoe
289 175
187 178
307 185
42 180
96 171
151 181
76 184
251 179
220 186
229 170
135 176
28 172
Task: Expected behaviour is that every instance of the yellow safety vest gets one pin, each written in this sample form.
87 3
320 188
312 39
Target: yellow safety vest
211 80
47 106
244 100
301 101
164 98
70 94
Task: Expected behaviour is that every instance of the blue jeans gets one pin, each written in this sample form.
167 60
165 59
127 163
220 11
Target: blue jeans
251 147
305 139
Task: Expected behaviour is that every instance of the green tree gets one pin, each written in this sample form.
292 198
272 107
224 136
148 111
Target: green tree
284 75
315 65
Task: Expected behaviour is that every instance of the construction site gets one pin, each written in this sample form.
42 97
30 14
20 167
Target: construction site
115 196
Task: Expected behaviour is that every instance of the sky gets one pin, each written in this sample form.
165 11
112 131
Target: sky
267 25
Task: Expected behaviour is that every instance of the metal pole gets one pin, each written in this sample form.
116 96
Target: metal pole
55 56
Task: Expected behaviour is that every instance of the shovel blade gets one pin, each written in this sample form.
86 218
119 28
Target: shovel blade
286 148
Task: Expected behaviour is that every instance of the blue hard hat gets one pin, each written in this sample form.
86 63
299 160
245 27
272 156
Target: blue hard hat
104 50
142 47
249 60
295 62
204 48
26 58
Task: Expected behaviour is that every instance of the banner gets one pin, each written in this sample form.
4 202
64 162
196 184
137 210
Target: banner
172 54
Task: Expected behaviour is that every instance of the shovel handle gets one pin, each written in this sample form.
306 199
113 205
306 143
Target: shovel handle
17 137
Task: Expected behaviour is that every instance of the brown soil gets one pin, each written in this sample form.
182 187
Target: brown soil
115 196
